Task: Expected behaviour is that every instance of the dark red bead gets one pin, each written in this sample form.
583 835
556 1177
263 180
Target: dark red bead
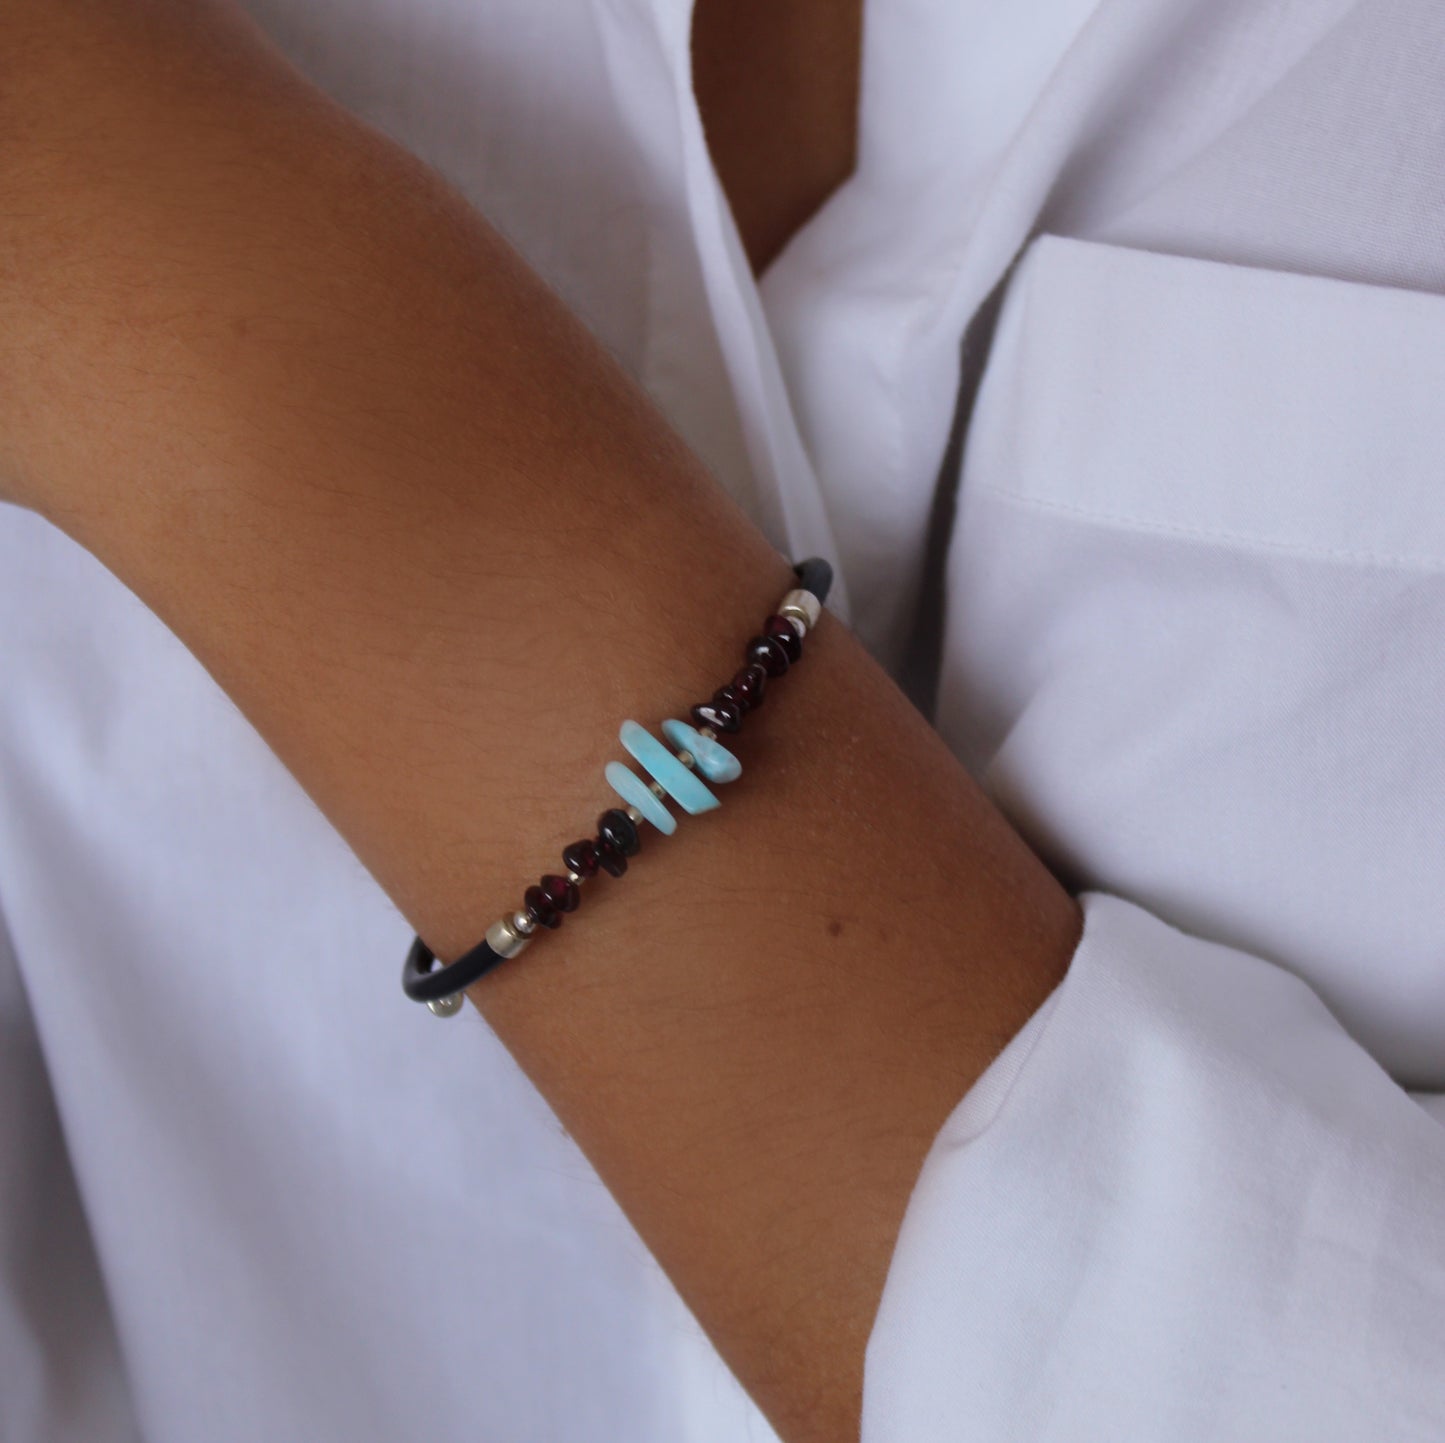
561 892
751 683
721 716
611 858
615 826
581 857
782 628
729 696
769 653
540 909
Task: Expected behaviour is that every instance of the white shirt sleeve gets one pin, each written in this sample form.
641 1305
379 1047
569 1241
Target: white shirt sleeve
1183 1203
61 1376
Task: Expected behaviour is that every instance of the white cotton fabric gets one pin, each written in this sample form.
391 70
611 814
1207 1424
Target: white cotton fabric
1192 646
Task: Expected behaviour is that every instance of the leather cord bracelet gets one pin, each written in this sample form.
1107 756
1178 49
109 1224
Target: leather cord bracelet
675 774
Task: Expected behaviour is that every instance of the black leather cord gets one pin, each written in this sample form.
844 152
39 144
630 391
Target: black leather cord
422 984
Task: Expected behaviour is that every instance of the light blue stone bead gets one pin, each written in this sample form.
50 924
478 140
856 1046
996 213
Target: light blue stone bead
682 785
713 759
632 789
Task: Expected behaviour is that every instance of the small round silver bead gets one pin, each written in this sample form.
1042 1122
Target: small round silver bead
505 938
634 814
575 877
686 758
707 732
523 923
446 1006
657 789
801 606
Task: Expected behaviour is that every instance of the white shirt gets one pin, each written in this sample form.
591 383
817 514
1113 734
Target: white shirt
1192 646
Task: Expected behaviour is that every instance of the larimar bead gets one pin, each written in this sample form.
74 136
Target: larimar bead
682 786
540 908
634 791
751 684
721 716
784 631
713 759
561 892
581 857
610 856
768 652
615 826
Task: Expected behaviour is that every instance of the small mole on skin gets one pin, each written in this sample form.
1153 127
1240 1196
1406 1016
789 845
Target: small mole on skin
834 927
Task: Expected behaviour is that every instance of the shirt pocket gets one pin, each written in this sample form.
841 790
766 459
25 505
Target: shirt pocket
1246 407
1195 639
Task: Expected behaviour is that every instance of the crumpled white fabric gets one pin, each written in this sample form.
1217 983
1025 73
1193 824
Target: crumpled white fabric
1191 644
1183 1203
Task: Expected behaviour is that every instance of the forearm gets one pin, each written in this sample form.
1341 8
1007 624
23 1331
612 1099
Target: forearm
436 547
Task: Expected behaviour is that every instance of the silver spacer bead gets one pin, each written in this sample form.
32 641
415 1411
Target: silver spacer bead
505 938
523 923
657 789
635 815
802 608
707 732
575 877
686 758
446 1006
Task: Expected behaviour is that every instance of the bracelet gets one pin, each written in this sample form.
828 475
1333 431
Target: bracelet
769 654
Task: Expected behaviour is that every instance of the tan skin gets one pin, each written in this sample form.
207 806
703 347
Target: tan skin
290 387
777 87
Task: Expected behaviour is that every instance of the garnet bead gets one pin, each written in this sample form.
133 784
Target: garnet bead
721 716
561 892
750 684
781 628
615 826
540 909
729 696
612 860
768 653
581 857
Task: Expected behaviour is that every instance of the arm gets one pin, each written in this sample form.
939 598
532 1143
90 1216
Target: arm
291 389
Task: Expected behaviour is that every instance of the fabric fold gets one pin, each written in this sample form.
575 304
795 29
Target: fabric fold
1151 1216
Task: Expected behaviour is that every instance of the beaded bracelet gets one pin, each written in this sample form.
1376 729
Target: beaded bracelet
767 655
